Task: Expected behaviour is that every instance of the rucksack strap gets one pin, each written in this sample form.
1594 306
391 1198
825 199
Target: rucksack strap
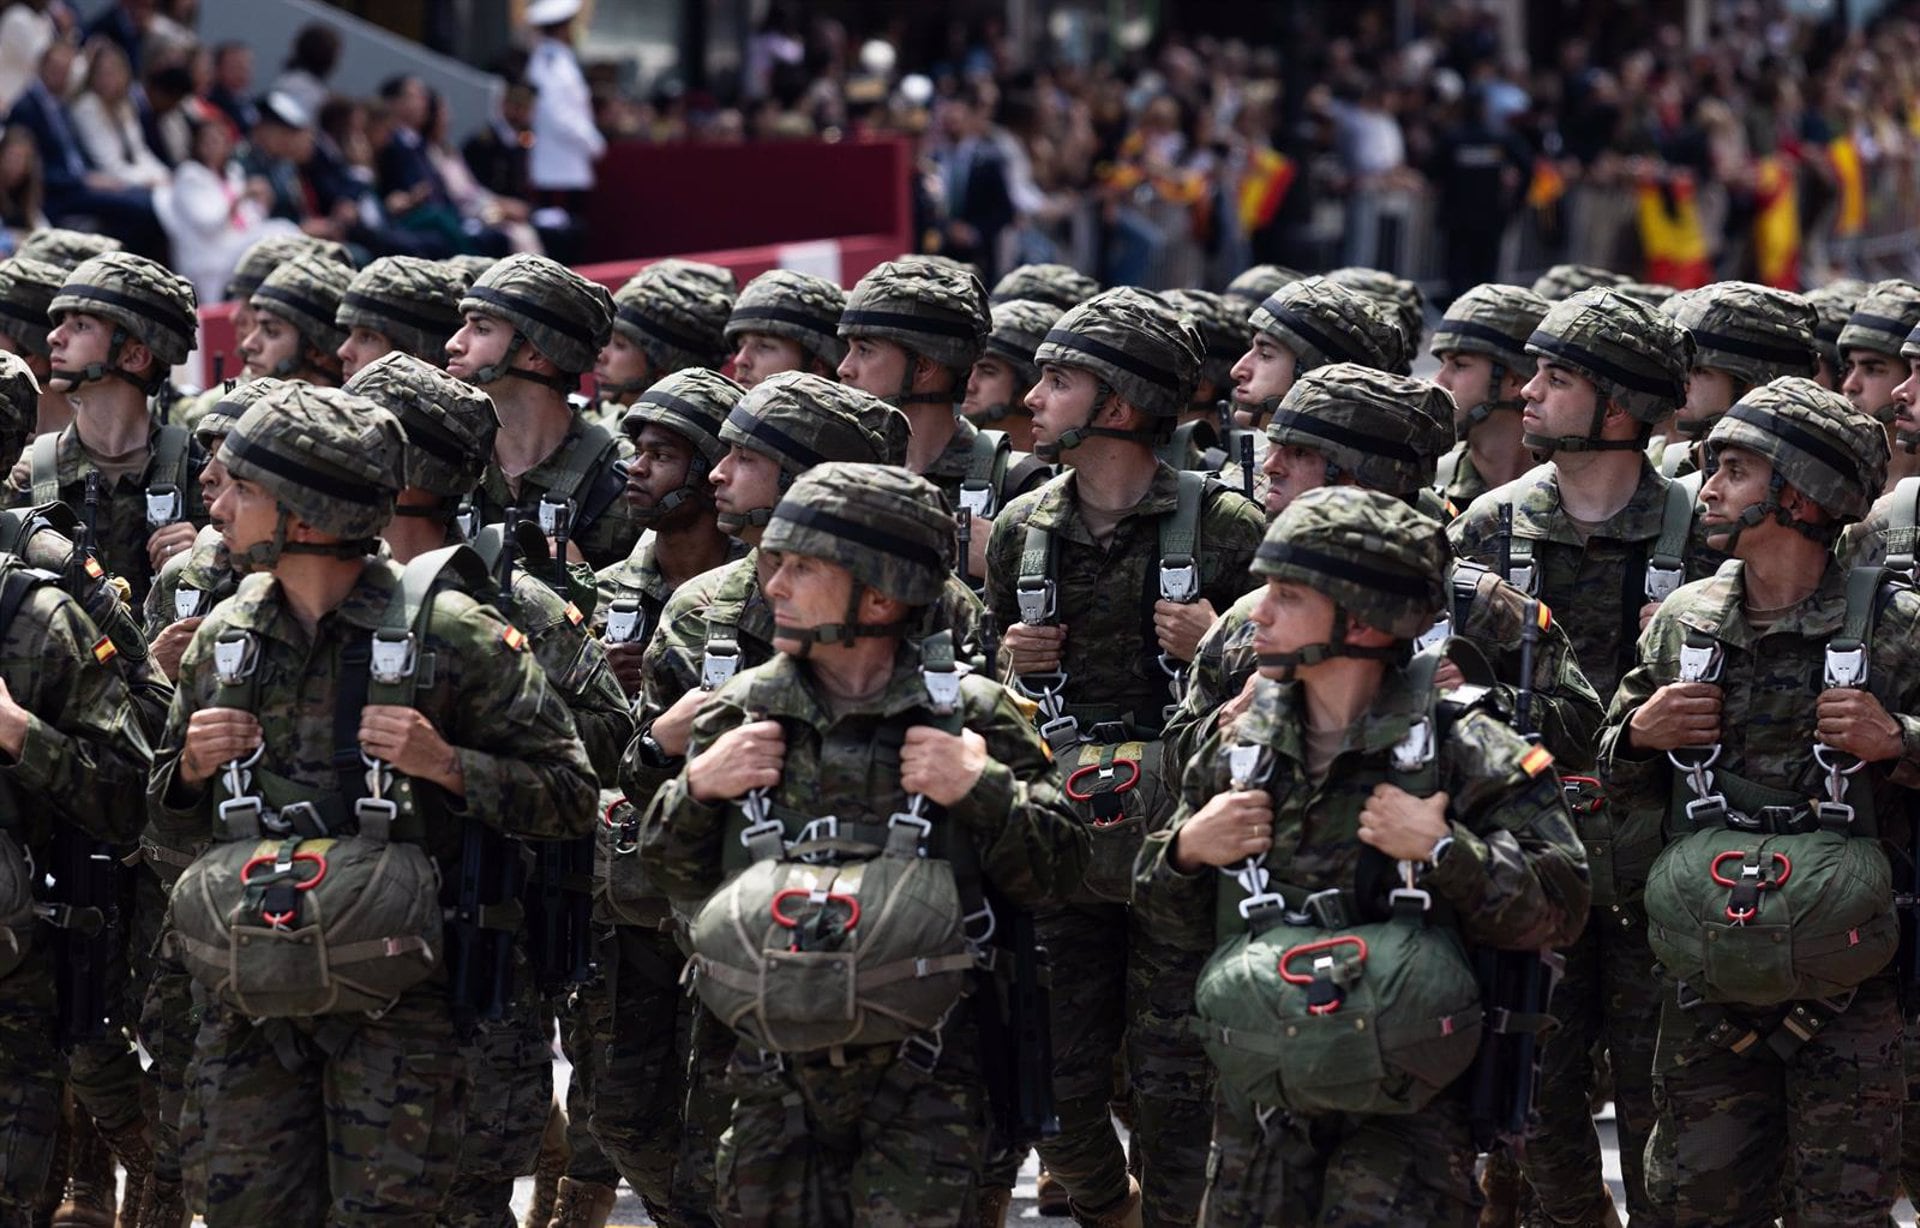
1180 540
1667 562
44 464
982 488
1673 456
584 473
1903 515
720 660
1445 470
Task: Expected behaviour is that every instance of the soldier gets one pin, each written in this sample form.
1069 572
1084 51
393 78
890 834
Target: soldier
314 1092
1563 281
1833 304
67 248
786 320
1404 303
450 427
295 336
669 316
121 322
1744 335
1652 293
1222 325
1260 283
27 288
1599 536
1174 547
879 1122
1481 343
1058 285
997 386
1870 346
532 328
1478 826
399 303
1769 1088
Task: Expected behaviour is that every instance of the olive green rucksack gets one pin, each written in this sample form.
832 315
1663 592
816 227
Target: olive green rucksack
16 906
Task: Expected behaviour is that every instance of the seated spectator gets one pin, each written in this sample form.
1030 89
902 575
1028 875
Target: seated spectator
502 219
497 154
27 29
210 215
123 24
276 148
232 90
20 185
107 121
315 54
173 108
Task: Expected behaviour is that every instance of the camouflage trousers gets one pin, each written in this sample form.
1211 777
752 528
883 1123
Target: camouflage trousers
641 1081
585 1019
708 1111
338 1120
1738 1133
31 1074
1119 992
873 1142
511 1064
169 1019
1610 997
1339 1171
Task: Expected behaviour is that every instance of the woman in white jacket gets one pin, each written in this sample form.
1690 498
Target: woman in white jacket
211 214
108 124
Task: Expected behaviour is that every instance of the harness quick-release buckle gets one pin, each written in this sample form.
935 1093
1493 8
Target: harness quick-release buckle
922 1051
765 827
943 690
976 499
719 664
1661 580
1060 732
1415 750
187 601
393 658
826 827
1847 667
1179 581
163 506
1521 576
623 621
550 512
467 519
1700 662
1439 633
1036 599
235 656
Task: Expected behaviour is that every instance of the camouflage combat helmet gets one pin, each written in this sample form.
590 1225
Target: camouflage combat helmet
1753 333
1652 293
1019 326
1386 432
27 288
1563 281
1380 561
676 312
331 457
887 526
1139 345
449 425
1061 285
306 292
413 303
1222 325
19 403
69 249
929 309
693 404
1636 357
1832 304
212 426
1494 320
1322 321
1881 322
801 307
802 420
1260 283
567 317
470 266
146 302
1402 298
1816 442
273 251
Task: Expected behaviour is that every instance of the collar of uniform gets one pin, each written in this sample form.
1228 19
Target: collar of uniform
1058 507
738 584
1394 710
638 575
1543 518
70 459
786 687
540 478
956 459
1717 606
260 607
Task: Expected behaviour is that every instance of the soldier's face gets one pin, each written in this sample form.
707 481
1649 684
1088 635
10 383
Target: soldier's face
481 341
745 481
989 384
1826 376
1710 393
1288 617
1738 481
242 319
805 592
762 354
214 478
1467 378
272 342
620 361
1906 394
245 513
1559 401
361 347
1871 379
1061 401
1265 371
659 466
1291 471
875 366
79 340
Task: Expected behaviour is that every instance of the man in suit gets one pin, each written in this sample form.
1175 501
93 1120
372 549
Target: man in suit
979 206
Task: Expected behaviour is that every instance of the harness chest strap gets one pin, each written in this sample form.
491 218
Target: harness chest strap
1903 515
1666 560
169 467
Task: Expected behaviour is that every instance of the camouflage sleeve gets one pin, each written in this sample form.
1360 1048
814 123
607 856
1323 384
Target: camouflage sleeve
182 816
576 664
1031 844
1566 711
147 687
1638 779
1894 679
1231 527
671 664
680 835
85 754
1475 533
1207 687
1176 906
156 614
962 613
1516 874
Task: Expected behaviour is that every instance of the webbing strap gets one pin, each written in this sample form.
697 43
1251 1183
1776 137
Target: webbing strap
1863 591
1903 515
1036 555
1446 468
988 460
1180 532
46 468
349 700
170 458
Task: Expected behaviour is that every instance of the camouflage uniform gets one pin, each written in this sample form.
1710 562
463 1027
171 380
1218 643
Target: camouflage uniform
1404 303
1596 588
1059 285
1495 321
1563 281
1818 1123
371 1109
801 307
1111 995
1832 304
1513 874
867 1133
1752 333
569 319
413 303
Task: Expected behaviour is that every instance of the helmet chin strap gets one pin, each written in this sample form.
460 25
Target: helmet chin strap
494 372
1257 411
110 369
1757 513
677 498
618 388
1073 437
849 629
1335 645
1547 445
265 555
1489 407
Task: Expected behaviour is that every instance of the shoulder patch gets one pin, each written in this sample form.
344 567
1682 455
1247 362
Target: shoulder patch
574 615
93 568
514 638
1536 761
104 651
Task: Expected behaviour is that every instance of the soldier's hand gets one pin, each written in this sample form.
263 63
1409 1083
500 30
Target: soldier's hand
1646 614
1448 676
625 660
573 550
1854 721
943 766
168 540
746 757
13 722
1403 826
407 741
977 547
1230 828
171 644
1678 714
215 736
1230 712
1034 650
673 729
1178 625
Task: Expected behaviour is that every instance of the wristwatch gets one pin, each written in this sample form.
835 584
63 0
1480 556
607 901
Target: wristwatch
1440 848
651 753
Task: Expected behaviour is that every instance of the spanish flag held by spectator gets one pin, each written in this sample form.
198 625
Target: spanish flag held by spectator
1263 187
1671 236
1850 218
1776 224
1547 186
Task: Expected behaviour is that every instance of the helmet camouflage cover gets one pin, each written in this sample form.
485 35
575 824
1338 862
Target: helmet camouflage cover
1137 342
1061 285
802 420
1563 281
153 304
67 248
1636 356
1816 441
19 403
449 423
1385 431
887 526
1374 555
1833 304
413 303
1259 283
1883 318
1754 333
27 287
273 251
306 292
1402 298
331 457
933 309
1322 322
693 404
1222 325
226 409
1019 326
1494 320
676 312
1652 293
803 308
565 316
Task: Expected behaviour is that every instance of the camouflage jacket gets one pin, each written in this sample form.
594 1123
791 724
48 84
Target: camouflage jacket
575 663
85 756
1595 590
526 771
1565 710
589 468
205 570
639 578
1466 484
1516 875
120 529
847 764
1105 596
949 469
1769 683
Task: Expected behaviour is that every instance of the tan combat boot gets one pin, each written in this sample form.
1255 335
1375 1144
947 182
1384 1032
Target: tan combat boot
90 1193
1051 1196
992 1208
582 1204
1501 1182
554 1155
1124 1213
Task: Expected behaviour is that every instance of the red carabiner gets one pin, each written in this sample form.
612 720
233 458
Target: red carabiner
606 818
317 859
1123 787
794 923
1761 884
1584 794
1313 948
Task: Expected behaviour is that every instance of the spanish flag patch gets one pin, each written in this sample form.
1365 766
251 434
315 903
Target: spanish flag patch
93 568
574 615
1536 761
104 651
514 638
1544 615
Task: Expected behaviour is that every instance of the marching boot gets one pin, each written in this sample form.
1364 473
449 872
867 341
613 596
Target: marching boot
554 1154
1124 1213
90 1194
993 1205
1051 1196
582 1204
